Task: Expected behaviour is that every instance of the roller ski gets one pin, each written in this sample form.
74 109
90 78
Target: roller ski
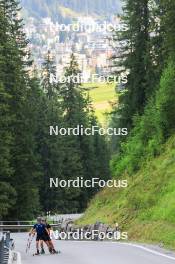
29 242
37 253
53 251
42 251
56 251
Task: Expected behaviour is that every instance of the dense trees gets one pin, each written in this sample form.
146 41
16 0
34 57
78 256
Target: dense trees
91 150
22 126
68 157
152 120
134 58
29 105
7 192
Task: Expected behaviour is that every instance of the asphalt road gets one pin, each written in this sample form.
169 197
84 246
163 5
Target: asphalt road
79 252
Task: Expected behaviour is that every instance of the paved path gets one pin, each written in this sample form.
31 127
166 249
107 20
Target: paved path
76 252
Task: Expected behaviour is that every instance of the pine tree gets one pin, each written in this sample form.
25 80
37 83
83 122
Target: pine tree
7 192
29 107
49 76
85 156
15 81
138 57
73 108
167 21
135 58
6 139
50 147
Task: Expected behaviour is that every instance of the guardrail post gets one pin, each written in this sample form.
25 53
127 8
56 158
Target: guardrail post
7 241
19 225
2 249
1 229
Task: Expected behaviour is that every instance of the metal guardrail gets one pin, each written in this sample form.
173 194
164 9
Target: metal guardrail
22 227
25 225
5 245
1 249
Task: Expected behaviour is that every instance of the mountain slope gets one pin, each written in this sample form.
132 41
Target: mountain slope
46 8
146 209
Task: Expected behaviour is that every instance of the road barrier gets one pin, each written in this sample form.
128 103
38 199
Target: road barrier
22 227
6 244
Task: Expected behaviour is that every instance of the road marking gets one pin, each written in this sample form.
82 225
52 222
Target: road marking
146 249
136 246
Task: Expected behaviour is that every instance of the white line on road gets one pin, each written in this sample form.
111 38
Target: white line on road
137 246
147 249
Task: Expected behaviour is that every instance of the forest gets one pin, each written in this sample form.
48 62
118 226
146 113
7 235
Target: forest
145 105
29 105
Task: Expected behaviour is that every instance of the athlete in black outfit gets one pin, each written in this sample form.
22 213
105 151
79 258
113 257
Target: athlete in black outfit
41 230
47 238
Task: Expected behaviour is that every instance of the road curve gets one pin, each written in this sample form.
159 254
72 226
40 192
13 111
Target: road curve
76 252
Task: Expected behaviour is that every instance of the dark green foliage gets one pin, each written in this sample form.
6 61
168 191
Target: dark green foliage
134 58
28 107
149 56
151 129
167 30
166 100
50 148
7 198
69 157
27 170
7 192
22 127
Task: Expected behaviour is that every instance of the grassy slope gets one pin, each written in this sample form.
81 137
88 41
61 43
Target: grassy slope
146 209
67 12
101 95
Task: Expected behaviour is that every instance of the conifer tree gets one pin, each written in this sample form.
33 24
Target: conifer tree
83 154
22 129
50 147
7 192
135 59
167 21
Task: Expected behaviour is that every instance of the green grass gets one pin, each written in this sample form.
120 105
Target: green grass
67 12
146 209
102 92
102 95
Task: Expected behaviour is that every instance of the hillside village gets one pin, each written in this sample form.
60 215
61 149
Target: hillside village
87 37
